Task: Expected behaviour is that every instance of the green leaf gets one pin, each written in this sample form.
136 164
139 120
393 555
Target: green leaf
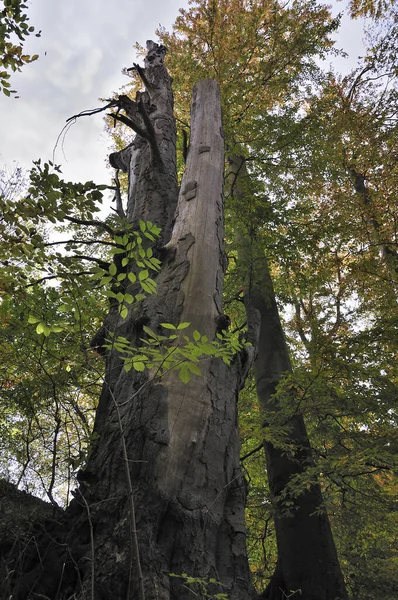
149 331
194 368
168 326
149 286
64 308
196 335
132 277
183 325
33 319
40 328
184 374
46 330
106 280
123 312
112 269
139 366
142 275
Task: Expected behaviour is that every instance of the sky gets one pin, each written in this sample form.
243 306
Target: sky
83 47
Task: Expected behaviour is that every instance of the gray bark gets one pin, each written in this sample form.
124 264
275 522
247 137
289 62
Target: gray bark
182 440
150 159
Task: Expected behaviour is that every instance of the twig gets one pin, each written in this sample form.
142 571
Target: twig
91 222
91 543
259 447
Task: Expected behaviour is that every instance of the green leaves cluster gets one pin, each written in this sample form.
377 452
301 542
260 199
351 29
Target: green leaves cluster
132 260
13 27
52 198
175 352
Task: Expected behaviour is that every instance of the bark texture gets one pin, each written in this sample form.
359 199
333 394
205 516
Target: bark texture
182 440
307 557
163 492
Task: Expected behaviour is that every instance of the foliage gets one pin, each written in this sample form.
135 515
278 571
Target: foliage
175 351
370 8
308 138
321 154
201 588
14 24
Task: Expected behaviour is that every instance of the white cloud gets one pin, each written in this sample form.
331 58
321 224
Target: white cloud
83 47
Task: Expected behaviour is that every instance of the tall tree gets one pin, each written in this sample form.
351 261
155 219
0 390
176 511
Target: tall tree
159 508
162 492
277 46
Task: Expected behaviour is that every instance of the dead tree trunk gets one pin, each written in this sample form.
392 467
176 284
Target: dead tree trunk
307 558
162 492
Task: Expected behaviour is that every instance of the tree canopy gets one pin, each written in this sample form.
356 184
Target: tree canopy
318 208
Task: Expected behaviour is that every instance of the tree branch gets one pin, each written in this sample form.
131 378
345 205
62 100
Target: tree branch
257 449
131 124
118 197
88 113
88 242
141 73
58 276
92 223
102 263
151 131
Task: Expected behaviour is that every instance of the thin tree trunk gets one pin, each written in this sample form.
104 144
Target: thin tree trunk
307 558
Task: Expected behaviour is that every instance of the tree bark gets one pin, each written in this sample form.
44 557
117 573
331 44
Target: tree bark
307 557
162 492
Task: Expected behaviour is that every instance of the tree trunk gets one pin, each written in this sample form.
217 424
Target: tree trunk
162 492
307 557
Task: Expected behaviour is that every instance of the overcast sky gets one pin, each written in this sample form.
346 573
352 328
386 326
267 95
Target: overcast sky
83 47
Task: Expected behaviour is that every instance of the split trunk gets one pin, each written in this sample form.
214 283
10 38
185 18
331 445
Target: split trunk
162 493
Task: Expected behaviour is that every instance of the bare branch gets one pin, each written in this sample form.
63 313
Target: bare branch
91 223
151 131
94 111
141 73
58 276
131 124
